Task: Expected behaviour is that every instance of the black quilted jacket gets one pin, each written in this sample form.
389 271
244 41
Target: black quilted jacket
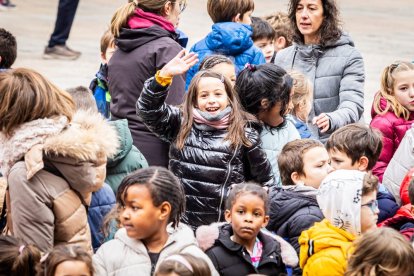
207 165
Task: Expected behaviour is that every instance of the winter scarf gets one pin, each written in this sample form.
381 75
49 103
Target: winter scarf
218 121
141 20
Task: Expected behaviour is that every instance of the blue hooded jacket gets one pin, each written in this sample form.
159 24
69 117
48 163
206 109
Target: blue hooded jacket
230 39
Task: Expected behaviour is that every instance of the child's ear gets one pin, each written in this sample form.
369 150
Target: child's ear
168 7
227 216
165 210
280 43
237 18
295 177
363 163
264 104
265 221
103 58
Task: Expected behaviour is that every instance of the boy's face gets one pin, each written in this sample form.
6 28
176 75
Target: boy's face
108 53
341 161
247 216
315 166
369 212
267 47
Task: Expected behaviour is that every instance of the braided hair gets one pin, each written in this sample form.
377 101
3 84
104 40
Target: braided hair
163 187
211 61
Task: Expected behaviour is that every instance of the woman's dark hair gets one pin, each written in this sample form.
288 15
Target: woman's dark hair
163 187
265 81
247 188
63 253
329 31
17 258
212 60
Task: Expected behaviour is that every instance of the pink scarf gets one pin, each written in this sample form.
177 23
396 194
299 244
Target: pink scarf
222 123
142 19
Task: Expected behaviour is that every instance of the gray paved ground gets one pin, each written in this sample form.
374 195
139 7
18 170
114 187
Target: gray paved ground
383 31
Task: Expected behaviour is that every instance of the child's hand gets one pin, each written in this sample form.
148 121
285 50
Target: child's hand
322 121
179 64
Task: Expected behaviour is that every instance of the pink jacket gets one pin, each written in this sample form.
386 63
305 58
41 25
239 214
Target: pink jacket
393 129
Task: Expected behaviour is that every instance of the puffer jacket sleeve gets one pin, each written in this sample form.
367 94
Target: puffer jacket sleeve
400 164
256 159
351 93
162 119
299 223
385 126
258 57
99 263
194 69
31 209
324 266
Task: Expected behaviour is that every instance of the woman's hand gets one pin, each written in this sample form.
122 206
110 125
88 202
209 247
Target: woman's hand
322 121
179 64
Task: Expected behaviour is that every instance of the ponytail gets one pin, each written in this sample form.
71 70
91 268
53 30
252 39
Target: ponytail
121 16
17 258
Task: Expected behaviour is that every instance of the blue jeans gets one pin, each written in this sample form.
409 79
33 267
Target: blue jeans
64 19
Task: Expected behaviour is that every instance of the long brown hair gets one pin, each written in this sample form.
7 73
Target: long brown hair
26 95
63 253
387 90
123 13
198 266
238 118
381 252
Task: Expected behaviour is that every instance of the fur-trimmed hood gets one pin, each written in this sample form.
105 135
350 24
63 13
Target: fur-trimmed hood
77 151
207 234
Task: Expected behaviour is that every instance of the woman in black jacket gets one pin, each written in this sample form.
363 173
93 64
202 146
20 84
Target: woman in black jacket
145 35
212 142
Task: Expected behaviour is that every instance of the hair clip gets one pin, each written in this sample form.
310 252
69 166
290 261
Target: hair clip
135 2
21 249
251 67
222 78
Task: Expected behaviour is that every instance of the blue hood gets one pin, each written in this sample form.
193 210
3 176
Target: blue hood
229 38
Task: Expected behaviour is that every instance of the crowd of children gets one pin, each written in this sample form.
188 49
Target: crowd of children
224 160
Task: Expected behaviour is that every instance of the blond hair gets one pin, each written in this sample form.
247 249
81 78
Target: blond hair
387 90
281 24
381 252
107 40
25 95
303 89
123 13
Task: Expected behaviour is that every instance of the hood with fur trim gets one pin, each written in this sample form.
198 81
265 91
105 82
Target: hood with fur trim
76 151
207 234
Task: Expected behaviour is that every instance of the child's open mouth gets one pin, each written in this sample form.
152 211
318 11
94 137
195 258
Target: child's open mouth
212 109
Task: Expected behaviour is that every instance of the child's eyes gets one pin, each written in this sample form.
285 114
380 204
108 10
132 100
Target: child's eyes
240 212
258 214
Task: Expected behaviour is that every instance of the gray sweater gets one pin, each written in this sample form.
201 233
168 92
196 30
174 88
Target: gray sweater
337 73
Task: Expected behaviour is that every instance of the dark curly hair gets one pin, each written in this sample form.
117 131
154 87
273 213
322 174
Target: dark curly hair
329 31
8 49
163 186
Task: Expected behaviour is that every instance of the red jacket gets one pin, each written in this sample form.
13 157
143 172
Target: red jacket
403 221
393 129
405 199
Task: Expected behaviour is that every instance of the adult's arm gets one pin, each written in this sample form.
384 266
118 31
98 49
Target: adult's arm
351 93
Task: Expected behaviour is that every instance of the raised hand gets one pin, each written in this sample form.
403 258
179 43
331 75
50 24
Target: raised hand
179 64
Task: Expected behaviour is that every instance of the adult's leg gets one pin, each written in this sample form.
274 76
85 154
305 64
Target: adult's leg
64 19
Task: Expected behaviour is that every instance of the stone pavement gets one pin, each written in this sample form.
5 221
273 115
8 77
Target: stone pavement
382 30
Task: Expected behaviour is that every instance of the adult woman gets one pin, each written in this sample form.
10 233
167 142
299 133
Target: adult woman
328 58
53 159
144 32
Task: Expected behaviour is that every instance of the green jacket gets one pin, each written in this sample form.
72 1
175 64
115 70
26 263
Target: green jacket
126 160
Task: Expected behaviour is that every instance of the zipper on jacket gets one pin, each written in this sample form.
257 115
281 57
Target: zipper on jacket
224 185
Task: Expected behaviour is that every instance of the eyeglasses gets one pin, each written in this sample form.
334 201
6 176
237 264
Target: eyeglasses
373 205
182 5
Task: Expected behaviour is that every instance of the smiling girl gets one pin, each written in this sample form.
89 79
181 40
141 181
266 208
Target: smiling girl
212 142
393 110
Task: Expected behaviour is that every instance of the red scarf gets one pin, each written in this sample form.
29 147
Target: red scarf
141 19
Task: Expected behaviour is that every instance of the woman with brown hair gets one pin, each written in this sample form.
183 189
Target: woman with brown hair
52 157
328 58
145 35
